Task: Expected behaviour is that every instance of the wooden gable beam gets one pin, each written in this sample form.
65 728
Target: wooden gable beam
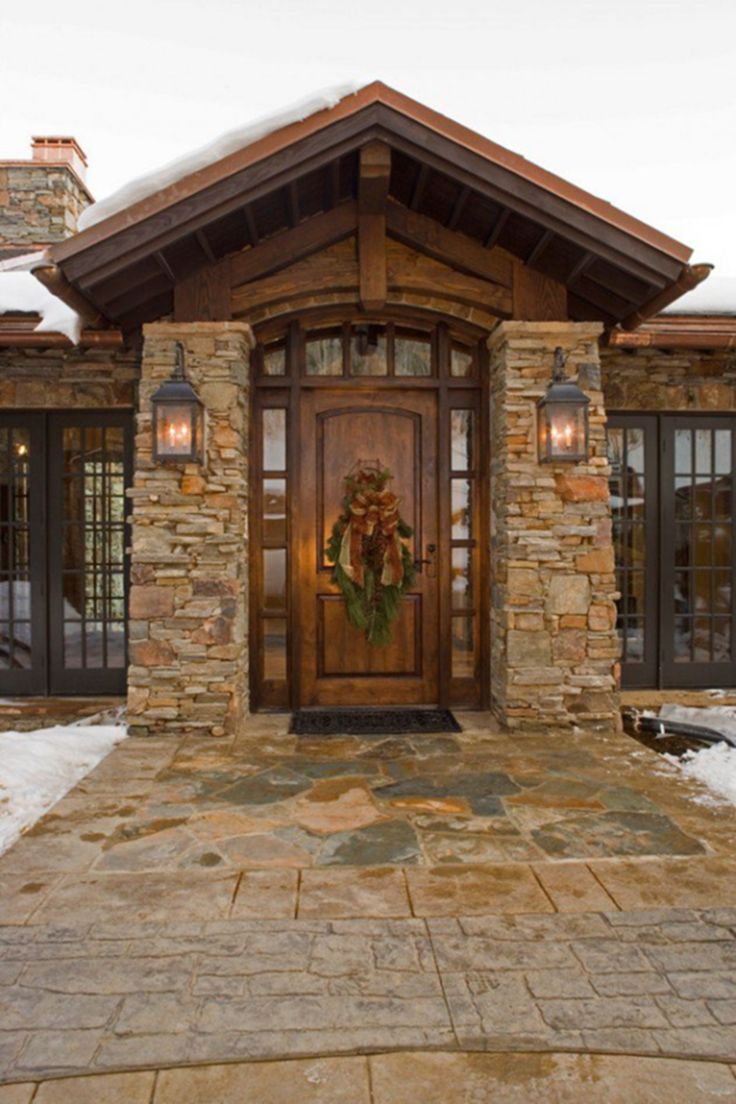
285 248
453 249
375 173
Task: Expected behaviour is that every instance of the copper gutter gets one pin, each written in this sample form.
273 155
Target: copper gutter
30 339
689 278
51 276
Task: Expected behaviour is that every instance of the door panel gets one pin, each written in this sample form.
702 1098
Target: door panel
633 455
698 623
63 568
399 430
672 484
22 554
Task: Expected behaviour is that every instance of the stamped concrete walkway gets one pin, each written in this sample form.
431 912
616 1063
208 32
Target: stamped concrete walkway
269 898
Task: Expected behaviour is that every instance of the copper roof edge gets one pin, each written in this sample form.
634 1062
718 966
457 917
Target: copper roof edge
374 93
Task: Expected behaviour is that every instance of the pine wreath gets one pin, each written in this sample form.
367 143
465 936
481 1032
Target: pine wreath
372 566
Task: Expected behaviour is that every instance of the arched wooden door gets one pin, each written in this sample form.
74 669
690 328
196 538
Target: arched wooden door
330 400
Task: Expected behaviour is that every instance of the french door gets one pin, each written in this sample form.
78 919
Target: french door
63 564
329 400
672 488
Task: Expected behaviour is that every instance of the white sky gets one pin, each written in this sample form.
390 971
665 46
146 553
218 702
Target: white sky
634 100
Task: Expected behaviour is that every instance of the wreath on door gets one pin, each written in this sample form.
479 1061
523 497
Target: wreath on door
372 566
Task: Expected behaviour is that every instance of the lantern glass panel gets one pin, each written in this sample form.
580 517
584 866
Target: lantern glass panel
563 431
176 429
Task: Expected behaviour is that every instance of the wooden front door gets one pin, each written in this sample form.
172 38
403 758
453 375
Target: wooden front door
337 665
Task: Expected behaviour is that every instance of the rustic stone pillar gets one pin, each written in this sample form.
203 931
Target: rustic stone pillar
554 650
188 599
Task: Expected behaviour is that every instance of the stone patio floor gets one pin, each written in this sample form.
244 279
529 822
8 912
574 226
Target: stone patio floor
274 897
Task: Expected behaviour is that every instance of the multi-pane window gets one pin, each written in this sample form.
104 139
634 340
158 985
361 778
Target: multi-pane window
15 540
464 621
274 547
629 488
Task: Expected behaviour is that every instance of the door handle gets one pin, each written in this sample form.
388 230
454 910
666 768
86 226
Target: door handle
429 561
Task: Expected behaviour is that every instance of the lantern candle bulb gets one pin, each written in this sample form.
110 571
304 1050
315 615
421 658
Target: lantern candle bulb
178 418
562 415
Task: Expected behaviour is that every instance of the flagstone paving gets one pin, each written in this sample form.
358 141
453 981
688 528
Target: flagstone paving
268 897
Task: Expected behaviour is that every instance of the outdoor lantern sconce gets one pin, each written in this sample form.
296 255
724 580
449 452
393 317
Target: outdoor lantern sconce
562 419
178 418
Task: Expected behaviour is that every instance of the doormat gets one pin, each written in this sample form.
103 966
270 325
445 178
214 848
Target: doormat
371 722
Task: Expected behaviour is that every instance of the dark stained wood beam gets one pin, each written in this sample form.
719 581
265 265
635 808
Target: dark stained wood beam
293 204
204 244
250 222
375 174
457 250
495 232
544 240
579 267
204 296
457 210
289 246
164 265
419 185
537 298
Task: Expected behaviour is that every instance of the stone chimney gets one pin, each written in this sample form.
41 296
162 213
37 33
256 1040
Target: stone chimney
42 199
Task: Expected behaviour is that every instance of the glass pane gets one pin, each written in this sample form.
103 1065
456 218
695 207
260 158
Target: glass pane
703 451
461 439
15 586
274 578
722 629
461 510
462 590
701 639
368 351
274 360
324 356
723 452
722 588
463 647
683 451
274 648
274 440
461 362
274 510
683 629
412 357
683 497
93 546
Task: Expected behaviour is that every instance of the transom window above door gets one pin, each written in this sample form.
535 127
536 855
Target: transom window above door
365 349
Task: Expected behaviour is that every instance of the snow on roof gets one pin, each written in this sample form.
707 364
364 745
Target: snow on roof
716 295
21 292
225 144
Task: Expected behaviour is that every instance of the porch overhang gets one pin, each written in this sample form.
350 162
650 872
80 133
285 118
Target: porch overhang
612 266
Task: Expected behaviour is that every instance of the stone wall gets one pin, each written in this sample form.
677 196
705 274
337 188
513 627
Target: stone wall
651 379
39 203
554 649
189 564
80 378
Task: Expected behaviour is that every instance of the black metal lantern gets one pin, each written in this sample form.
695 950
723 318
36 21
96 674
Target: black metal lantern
562 419
178 418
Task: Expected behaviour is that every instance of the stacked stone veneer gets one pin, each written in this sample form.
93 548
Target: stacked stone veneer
554 649
77 379
677 379
39 203
188 597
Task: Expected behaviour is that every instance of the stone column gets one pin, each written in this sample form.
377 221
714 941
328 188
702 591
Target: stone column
189 573
554 649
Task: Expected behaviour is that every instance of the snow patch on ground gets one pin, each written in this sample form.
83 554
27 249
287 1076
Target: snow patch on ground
223 146
22 292
715 767
38 768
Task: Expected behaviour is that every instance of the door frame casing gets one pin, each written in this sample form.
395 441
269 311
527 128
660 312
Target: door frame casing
286 392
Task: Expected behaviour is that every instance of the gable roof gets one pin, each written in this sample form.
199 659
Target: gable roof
613 265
